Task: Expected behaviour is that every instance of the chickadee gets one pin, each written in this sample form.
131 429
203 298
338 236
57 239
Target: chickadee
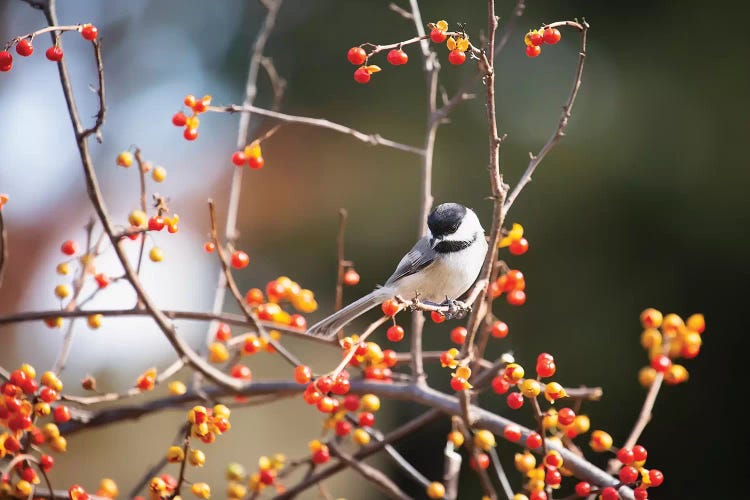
440 267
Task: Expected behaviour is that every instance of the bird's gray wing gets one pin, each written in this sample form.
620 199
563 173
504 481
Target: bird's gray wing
419 257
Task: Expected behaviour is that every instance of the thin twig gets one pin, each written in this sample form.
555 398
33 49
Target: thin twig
373 139
369 473
340 267
3 247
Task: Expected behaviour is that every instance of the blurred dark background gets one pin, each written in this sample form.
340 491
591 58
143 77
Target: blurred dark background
642 204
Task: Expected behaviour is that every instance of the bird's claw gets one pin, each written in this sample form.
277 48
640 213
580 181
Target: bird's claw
457 309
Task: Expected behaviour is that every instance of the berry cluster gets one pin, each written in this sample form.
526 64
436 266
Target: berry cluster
534 39
267 475
667 338
25 48
513 239
190 123
251 156
513 284
23 401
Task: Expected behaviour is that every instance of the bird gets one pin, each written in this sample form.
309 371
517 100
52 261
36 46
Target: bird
439 269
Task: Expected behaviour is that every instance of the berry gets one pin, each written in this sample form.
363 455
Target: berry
179 119
437 35
302 374
397 57
534 440
456 57
54 53
240 259
553 477
459 384
159 174
437 317
661 363
366 419
655 477
190 134
361 75
239 158
343 428
639 453
62 414
102 280
500 385
357 56
583 489
255 162
566 416
389 307
6 59
512 433
458 335
435 490
519 247
640 493
395 333
69 247
536 38
628 474
480 460
515 400
351 277
499 330
551 36
533 50
609 493
626 456
89 32
24 48
156 254
46 462
321 456
125 159
516 297
156 223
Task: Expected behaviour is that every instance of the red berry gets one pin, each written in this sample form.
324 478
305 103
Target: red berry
481 460
89 32
18 378
628 474
500 385
366 419
546 368
6 59
397 57
553 476
395 333
209 247
267 476
519 247
54 53
24 48
551 36
190 134
256 162
356 56
639 453
656 477
102 280
361 75
566 416
242 372
640 493
28 474
6 68
499 330
389 307
458 335
437 35
343 428
223 332
48 395
156 223
625 455
661 363
321 456
46 462
326 404
302 374
456 57
69 247
533 50
536 38
437 317
239 158
534 440
351 277
515 400
458 383
583 489
351 402
179 119
512 433
324 383
609 493
62 414
516 297
389 358
240 260
341 386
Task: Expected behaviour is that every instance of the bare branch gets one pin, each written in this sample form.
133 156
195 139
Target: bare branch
371 474
3 246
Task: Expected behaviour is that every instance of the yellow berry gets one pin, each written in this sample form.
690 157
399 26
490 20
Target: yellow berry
201 490
218 352
63 268
600 441
650 338
62 291
549 420
137 218
484 440
696 323
157 485
125 159
197 458
221 411
59 444
50 430
29 370
159 174
42 409
456 437
676 374
520 496
671 325
177 388
175 454
435 490
95 320
581 424
651 318
646 376
236 491
370 402
192 122
156 254
513 372
22 489
361 437
524 462
530 388
463 372
108 488
554 391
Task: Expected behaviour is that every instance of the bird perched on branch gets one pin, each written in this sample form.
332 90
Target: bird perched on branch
440 267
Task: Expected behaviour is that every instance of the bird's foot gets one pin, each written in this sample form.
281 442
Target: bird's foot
457 309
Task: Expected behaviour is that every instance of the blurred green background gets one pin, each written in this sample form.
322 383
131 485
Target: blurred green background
642 204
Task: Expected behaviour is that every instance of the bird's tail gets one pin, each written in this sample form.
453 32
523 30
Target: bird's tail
329 326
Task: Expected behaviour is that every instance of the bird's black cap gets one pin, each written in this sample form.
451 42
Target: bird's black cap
445 219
